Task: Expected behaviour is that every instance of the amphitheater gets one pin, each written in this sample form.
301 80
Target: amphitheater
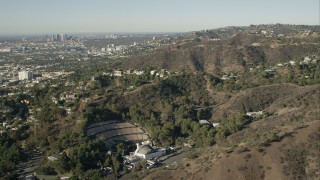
114 132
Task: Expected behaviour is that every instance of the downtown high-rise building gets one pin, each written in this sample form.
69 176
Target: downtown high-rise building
61 37
25 75
53 38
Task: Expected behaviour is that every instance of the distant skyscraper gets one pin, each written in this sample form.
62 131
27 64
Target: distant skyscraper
53 38
25 75
60 37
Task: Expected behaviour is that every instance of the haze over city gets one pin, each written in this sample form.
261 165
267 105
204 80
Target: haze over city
38 16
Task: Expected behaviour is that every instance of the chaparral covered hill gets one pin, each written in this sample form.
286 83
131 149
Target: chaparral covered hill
282 143
235 52
277 99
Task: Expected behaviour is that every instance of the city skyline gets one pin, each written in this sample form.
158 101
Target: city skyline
36 16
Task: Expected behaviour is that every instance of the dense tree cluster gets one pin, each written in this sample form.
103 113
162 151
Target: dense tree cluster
10 154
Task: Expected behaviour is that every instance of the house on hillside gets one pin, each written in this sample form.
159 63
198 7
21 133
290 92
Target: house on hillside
137 72
215 125
117 73
203 122
270 70
254 114
152 72
292 63
225 77
52 158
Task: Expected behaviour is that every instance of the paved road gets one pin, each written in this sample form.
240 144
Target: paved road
177 158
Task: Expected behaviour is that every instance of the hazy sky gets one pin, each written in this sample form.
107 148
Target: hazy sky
34 16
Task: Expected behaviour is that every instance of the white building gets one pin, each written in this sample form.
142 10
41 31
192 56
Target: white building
109 49
25 75
254 114
292 63
121 48
137 72
203 121
225 77
153 72
5 50
215 124
117 73
146 151
52 158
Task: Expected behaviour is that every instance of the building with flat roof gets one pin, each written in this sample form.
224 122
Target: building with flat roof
25 75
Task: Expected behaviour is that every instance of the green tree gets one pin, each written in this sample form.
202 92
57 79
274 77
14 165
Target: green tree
120 148
115 165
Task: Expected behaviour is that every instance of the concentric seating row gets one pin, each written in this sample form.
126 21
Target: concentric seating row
115 132
103 123
125 138
108 127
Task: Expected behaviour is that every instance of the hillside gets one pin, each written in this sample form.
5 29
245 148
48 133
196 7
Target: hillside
284 145
294 157
276 99
232 54
280 144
